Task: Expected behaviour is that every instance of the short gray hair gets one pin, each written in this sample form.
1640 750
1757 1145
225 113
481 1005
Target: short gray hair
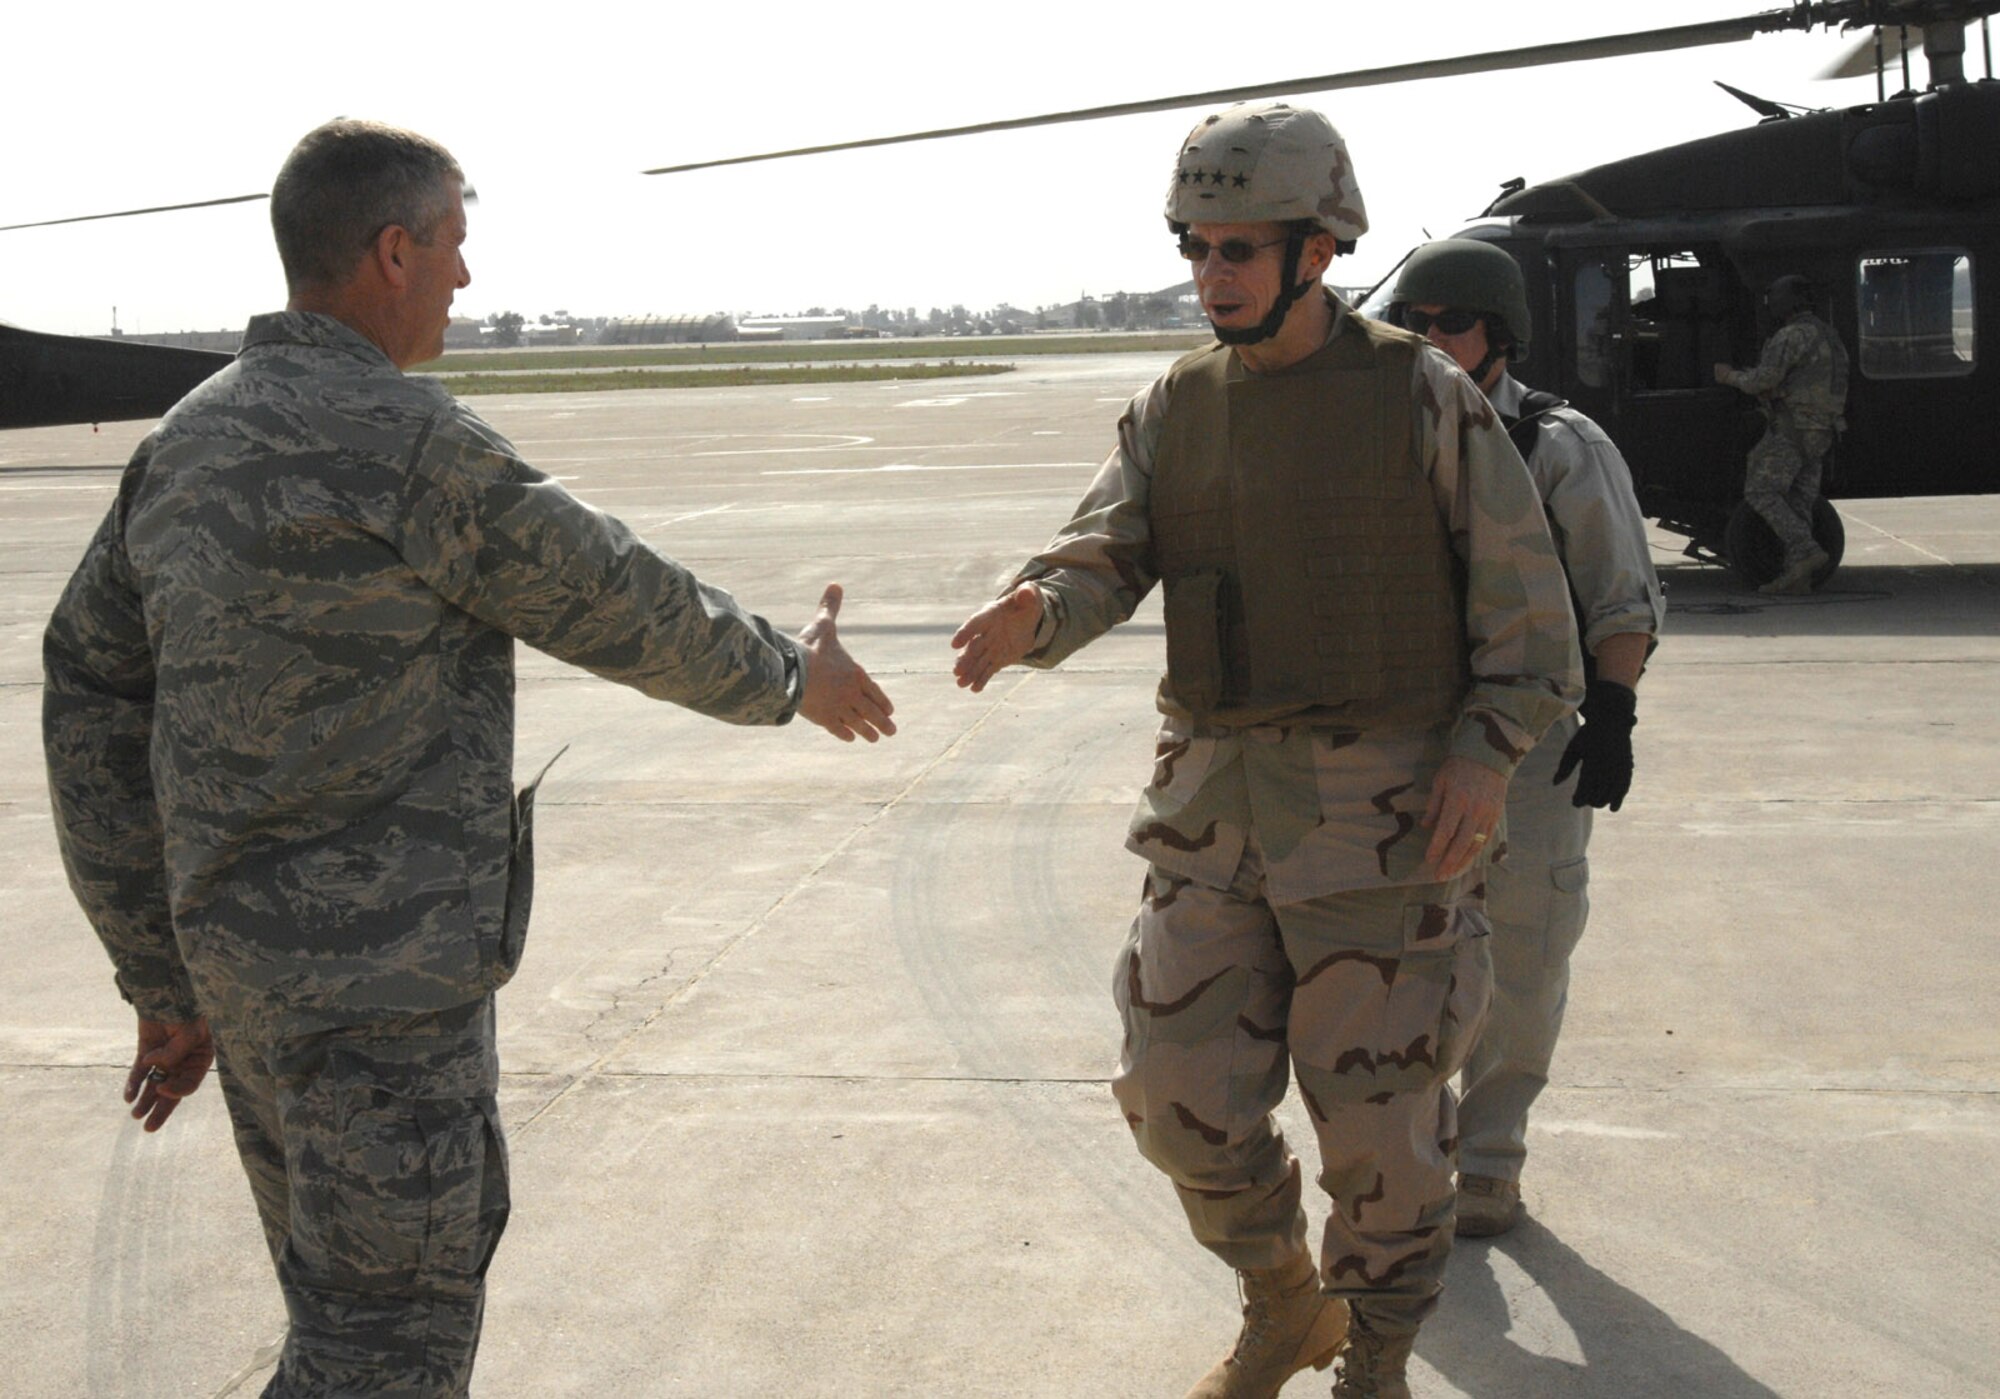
343 184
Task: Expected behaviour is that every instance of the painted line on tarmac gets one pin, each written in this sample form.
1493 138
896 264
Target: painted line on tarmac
697 514
841 442
952 400
912 466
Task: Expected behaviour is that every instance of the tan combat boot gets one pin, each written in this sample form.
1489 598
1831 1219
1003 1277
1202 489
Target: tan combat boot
1487 1206
1288 1325
1796 579
1372 1363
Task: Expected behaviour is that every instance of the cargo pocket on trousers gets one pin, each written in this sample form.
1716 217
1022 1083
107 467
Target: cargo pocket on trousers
1445 948
1569 907
470 1200
420 1194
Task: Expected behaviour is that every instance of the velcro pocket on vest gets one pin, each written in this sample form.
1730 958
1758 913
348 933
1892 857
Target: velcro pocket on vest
1194 637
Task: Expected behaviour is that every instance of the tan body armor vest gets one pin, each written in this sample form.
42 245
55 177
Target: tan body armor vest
1308 575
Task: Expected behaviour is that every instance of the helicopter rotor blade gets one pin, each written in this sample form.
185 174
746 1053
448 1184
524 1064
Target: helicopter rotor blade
1535 55
1859 59
130 213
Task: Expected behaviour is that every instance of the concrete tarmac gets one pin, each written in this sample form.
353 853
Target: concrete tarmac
806 1064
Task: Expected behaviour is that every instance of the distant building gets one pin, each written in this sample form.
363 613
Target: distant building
669 330
227 341
551 335
798 327
1010 320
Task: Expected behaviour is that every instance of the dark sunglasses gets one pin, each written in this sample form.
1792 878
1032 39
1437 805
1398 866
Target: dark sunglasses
1450 322
1232 249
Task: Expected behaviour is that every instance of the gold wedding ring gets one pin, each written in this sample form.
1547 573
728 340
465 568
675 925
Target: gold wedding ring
1479 838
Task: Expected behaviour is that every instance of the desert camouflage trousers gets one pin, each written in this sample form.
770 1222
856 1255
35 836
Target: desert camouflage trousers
1781 482
376 1159
1537 900
1371 998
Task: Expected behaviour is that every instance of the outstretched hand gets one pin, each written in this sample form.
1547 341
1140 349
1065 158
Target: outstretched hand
172 1061
998 635
839 696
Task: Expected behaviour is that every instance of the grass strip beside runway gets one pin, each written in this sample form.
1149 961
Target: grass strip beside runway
464 384
811 351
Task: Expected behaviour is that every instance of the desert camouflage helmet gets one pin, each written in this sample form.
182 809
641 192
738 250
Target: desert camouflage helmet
1267 162
1466 274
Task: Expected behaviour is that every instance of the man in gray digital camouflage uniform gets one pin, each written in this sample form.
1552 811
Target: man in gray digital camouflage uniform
1801 379
1469 299
1366 630
279 725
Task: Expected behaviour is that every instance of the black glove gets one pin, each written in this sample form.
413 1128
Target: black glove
1603 746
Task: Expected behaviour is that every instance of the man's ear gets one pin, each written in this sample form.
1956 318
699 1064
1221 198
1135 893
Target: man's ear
1317 255
391 254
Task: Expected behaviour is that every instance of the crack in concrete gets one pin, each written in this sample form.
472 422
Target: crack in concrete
621 996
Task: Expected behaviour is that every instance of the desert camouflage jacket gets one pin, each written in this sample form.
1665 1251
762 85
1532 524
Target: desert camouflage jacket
1333 807
279 690
1586 491
1802 372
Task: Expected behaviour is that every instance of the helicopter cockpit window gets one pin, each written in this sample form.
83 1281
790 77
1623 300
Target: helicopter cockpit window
1915 312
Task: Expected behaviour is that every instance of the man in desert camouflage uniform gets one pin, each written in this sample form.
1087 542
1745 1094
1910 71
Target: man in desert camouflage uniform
1469 299
279 715
1366 630
1802 380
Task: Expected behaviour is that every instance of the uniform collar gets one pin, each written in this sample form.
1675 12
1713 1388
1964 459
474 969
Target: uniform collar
311 328
1506 395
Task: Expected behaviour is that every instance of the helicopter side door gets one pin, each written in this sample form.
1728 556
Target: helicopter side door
1646 325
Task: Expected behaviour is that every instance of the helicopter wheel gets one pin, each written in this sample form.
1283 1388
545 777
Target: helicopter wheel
1757 556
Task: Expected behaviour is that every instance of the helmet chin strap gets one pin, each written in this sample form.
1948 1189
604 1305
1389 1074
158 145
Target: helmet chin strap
1289 291
1479 371
1494 354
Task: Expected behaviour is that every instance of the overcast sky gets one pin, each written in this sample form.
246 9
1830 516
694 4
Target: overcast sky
553 109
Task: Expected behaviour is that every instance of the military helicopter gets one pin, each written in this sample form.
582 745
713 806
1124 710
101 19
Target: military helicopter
51 380
1645 272
1650 271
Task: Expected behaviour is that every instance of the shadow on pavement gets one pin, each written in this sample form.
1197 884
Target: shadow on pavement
1630 1348
1940 599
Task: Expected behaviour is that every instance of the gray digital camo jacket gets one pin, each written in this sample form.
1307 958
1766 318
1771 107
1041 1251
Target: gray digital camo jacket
279 700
